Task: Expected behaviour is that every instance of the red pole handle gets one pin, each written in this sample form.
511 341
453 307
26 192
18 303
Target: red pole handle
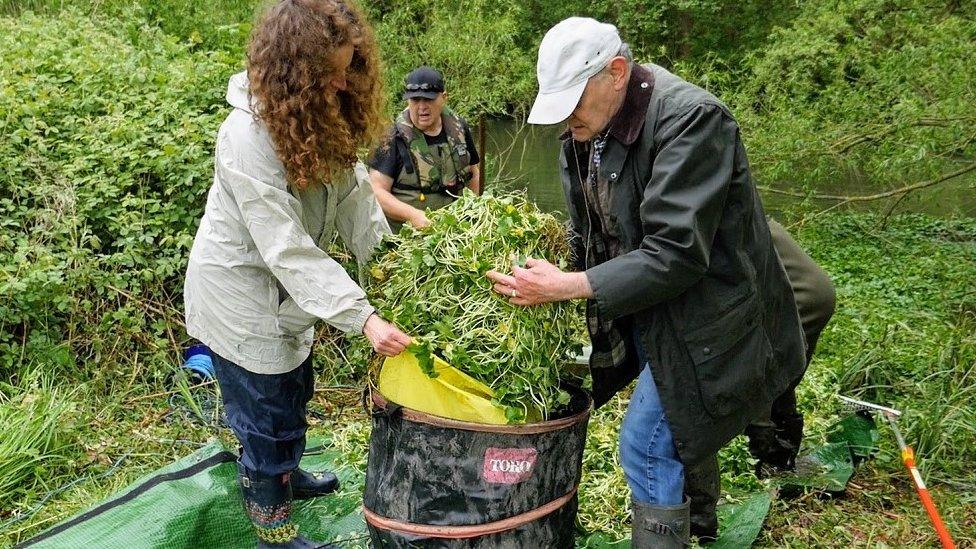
908 457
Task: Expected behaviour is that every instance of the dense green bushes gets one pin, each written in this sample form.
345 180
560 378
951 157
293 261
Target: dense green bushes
876 93
214 25
486 49
106 156
473 43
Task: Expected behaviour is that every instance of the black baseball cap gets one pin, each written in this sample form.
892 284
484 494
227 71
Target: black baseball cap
423 82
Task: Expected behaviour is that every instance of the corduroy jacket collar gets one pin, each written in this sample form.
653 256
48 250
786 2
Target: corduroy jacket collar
627 123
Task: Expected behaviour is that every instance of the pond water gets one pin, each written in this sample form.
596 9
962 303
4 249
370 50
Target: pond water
521 156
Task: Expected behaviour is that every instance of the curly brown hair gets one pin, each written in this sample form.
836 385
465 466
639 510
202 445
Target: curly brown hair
316 129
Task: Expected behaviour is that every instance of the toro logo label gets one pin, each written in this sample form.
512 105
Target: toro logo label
508 465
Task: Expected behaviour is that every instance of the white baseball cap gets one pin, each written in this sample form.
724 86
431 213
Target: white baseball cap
570 53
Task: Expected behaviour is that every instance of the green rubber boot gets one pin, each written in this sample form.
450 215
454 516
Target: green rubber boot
660 526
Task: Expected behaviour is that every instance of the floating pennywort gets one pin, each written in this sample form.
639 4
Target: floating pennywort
432 284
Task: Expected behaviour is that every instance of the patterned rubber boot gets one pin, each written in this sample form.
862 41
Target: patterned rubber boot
267 503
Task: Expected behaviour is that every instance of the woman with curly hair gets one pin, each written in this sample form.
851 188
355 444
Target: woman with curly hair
286 180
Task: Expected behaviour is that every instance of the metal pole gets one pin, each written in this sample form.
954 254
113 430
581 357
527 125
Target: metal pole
484 154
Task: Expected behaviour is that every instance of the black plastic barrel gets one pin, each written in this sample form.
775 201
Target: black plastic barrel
437 482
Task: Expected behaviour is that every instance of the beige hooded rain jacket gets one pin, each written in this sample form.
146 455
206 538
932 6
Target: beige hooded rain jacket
258 276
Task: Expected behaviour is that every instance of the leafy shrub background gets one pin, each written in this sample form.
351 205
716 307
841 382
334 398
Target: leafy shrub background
108 131
874 93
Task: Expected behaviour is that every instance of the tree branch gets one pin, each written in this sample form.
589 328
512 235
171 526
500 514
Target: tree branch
847 143
865 198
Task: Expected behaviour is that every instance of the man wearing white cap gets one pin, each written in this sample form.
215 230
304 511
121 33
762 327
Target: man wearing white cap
674 256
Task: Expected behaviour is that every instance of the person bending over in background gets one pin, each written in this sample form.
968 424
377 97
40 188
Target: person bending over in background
286 179
429 156
684 288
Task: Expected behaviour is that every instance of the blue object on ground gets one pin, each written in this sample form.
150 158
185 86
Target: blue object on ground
198 361
197 349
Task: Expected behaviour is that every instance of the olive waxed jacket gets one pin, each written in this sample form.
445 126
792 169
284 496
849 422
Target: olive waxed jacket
696 277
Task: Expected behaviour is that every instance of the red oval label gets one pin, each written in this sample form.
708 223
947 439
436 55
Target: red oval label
508 465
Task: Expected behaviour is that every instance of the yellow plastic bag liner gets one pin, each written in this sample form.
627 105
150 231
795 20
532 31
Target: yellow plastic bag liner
452 394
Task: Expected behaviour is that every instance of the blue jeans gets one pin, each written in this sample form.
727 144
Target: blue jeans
654 472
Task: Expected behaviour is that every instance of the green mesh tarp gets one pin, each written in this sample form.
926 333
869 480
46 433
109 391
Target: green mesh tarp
828 468
195 503
859 433
740 523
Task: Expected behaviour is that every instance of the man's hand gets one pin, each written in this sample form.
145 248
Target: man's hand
540 282
393 207
385 338
419 219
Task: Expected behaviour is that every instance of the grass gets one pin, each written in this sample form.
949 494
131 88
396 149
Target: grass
879 510
35 420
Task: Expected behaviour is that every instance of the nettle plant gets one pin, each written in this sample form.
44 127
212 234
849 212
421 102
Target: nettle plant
432 284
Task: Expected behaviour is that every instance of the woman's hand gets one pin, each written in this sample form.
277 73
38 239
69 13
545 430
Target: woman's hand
385 338
540 282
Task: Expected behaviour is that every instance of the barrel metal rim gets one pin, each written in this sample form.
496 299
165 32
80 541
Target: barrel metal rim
548 426
467 531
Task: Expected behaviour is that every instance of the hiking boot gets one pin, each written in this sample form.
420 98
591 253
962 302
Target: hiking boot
702 486
305 485
660 526
267 503
775 443
802 466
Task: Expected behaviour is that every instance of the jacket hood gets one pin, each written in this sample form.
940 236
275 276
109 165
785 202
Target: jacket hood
238 94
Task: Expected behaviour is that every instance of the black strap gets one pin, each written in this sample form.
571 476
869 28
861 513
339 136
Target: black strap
404 151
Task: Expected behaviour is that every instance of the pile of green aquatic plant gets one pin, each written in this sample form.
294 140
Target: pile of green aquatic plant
432 284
